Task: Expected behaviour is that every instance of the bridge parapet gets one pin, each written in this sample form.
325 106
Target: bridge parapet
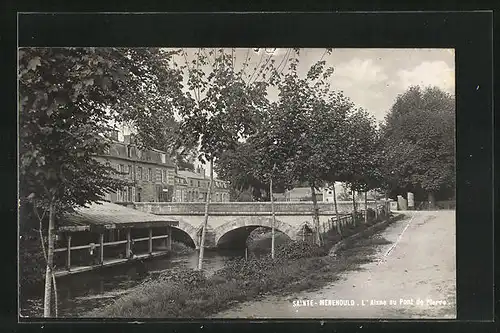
248 208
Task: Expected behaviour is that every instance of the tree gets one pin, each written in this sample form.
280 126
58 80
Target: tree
64 96
297 135
222 112
237 167
361 172
151 110
418 136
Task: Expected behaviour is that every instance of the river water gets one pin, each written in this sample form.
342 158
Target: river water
80 293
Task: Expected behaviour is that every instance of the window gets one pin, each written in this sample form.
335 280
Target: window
150 175
125 194
139 173
129 152
121 195
130 170
198 183
191 182
161 176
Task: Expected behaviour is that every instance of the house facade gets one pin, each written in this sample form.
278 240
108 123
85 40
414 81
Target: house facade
155 178
193 187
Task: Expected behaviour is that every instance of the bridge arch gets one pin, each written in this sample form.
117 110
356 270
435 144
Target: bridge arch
189 229
303 225
254 221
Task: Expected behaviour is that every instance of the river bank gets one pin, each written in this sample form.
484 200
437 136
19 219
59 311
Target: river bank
81 293
298 266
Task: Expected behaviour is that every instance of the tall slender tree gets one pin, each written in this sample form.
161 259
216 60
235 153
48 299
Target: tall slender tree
222 112
64 99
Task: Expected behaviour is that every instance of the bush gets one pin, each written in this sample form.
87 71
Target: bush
31 261
370 214
181 248
181 276
296 250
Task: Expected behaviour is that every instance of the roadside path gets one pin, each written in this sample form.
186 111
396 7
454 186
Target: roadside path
419 264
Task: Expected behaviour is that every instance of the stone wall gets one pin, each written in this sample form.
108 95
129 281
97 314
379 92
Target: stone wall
248 208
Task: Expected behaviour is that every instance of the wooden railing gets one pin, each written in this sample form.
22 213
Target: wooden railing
345 219
129 241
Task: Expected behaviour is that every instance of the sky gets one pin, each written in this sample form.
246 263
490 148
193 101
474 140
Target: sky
371 78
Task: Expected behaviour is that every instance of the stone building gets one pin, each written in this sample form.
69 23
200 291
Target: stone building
151 173
193 187
155 178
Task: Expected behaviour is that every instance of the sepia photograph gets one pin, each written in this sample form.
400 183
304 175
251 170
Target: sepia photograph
243 183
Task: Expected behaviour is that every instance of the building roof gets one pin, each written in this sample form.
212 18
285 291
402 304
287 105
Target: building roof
106 215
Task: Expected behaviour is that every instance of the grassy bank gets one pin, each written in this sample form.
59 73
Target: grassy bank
297 267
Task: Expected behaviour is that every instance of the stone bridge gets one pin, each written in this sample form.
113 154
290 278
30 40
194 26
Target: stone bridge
231 222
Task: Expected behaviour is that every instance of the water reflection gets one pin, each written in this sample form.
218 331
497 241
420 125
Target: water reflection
81 293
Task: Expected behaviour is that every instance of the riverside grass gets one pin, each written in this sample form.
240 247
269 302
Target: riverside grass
193 295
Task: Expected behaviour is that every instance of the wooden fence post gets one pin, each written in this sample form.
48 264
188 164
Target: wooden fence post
101 244
68 257
150 241
127 255
169 238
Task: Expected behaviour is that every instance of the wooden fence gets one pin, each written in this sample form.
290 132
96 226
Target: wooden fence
101 245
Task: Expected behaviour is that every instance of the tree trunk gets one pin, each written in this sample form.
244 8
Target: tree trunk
339 229
353 207
207 203
273 217
316 215
366 207
432 200
50 263
376 208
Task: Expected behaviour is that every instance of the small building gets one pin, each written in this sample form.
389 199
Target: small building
344 193
302 194
106 234
193 187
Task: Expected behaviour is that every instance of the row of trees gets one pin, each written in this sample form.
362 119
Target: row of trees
310 134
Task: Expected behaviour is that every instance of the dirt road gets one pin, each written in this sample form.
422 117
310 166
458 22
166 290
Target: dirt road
419 265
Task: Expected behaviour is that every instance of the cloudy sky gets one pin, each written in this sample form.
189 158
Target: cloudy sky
372 78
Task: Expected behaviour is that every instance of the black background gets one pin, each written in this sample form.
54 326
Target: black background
469 33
